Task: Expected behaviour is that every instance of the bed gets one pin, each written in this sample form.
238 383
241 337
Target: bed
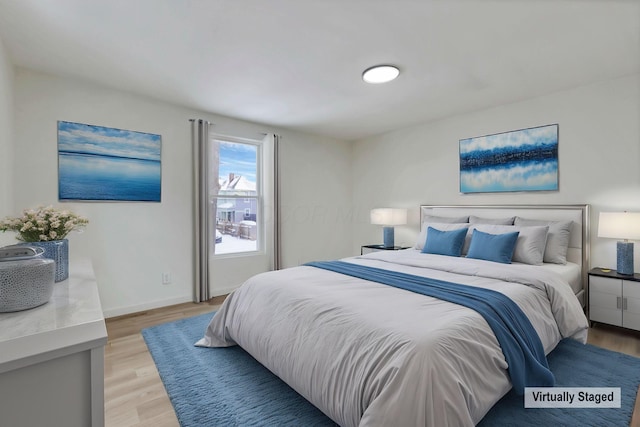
370 354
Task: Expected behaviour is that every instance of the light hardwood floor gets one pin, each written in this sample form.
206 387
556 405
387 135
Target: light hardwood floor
135 396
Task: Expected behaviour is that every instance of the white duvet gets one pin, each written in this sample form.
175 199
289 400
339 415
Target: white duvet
369 354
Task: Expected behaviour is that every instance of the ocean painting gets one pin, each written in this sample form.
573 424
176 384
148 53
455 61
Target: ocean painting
106 164
521 160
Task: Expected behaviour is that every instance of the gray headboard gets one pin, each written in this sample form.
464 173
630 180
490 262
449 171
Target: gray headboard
578 252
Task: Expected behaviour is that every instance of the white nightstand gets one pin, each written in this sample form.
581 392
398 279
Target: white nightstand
367 249
614 298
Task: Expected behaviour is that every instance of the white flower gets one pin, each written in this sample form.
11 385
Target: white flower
43 224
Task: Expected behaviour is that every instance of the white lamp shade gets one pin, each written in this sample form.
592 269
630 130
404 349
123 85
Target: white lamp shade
388 216
619 225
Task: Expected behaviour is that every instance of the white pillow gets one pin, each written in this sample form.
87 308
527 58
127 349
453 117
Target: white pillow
530 244
557 239
502 221
446 219
441 226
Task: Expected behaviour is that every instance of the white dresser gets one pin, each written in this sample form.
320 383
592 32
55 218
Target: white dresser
52 357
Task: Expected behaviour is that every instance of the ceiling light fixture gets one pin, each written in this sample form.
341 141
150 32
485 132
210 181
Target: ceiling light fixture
380 74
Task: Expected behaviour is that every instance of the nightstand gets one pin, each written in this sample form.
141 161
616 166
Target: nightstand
367 249
614 298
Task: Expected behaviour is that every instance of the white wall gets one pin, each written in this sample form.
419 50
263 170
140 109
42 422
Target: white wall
599 158
316 199
6 140
131 244
329 186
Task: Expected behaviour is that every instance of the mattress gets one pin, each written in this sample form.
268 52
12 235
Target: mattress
570 272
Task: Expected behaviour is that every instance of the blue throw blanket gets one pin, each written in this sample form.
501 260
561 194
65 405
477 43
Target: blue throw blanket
520 343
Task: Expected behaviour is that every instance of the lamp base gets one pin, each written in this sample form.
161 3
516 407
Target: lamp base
625 258
387 234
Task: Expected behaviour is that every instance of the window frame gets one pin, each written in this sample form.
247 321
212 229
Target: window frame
259 198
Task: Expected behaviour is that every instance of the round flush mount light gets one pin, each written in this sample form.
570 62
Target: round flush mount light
380 74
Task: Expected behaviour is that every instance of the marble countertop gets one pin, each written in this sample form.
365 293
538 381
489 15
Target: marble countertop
72 320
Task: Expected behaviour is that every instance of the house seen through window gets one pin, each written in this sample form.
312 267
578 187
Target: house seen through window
235 196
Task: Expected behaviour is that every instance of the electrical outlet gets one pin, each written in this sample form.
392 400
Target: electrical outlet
166 278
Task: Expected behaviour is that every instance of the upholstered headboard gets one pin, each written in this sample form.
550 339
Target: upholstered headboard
578 251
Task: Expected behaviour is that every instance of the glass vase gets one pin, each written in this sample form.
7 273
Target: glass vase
57 250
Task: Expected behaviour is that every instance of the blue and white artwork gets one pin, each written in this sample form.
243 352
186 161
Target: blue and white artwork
520 160
100 163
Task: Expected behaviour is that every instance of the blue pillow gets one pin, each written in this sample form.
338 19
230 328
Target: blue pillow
444 242
493 247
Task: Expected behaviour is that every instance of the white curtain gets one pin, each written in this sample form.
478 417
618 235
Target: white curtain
199 138
272 143
271 188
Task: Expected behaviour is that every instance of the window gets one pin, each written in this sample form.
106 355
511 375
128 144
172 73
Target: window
235 195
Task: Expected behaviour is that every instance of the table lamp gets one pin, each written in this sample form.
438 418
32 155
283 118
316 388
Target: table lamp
388 217
621 225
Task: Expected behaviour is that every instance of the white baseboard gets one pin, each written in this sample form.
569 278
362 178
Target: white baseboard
120 311
225 291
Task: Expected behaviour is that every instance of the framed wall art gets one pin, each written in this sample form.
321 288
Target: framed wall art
105 164
519 160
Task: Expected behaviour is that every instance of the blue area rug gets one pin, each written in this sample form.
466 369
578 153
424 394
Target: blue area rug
227 387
